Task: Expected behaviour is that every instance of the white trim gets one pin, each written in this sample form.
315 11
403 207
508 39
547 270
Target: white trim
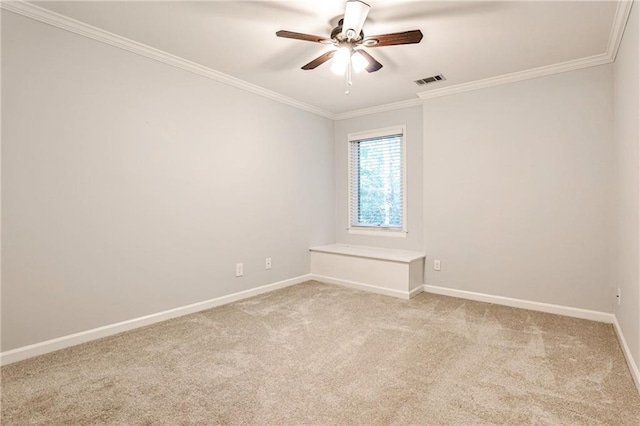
518 76
52 345
396 233
617 29
376 133
523 304
44 15
368 134
379 108
365 252
365 287
60 21
416 291
633 367
549 308
621 16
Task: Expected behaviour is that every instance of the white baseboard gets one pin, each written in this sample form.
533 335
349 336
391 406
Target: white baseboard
524 304
365 287
633 367
52 345
549 308
416 291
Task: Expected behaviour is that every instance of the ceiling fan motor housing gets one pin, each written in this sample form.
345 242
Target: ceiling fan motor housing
337 37
352 39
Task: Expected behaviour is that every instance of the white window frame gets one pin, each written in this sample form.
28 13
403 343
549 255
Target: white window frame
386 232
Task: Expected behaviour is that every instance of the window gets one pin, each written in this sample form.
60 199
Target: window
377 203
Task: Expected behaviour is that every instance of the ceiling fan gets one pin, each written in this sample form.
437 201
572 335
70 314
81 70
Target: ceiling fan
349 40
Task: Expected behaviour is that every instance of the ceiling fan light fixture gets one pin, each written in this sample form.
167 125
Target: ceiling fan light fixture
359 62
350 55
355 14
341 61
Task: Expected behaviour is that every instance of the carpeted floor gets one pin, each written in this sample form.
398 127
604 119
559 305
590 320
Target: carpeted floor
321 354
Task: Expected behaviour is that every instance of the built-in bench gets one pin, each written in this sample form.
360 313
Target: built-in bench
398 273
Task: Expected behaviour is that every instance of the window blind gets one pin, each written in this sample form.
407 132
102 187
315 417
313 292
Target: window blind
376 167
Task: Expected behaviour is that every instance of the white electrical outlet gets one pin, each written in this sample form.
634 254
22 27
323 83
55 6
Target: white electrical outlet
436 265
267 263
239 270
618 295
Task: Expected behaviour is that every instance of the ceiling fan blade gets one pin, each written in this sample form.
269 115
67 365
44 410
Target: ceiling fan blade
355 13
374 65
301 36
319 60
406 37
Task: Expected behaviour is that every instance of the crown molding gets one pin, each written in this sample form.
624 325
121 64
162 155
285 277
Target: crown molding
380 108
621 16
32 11
518 76
617 29
60 21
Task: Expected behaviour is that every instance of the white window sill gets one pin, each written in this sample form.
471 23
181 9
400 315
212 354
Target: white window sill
378 232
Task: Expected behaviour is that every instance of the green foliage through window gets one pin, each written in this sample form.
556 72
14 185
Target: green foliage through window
377 177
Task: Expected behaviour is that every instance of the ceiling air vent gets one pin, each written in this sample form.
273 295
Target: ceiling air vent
428 80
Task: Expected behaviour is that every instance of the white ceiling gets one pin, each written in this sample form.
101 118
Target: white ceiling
465 41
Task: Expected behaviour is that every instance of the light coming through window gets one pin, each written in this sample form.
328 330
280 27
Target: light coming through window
377 180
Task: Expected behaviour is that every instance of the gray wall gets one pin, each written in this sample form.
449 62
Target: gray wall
412 118
517 189
627 184
130 187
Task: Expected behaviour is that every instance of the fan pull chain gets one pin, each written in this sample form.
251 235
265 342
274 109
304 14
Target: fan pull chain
348 75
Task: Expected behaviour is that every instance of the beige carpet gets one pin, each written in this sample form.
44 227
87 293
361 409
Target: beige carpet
320 354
